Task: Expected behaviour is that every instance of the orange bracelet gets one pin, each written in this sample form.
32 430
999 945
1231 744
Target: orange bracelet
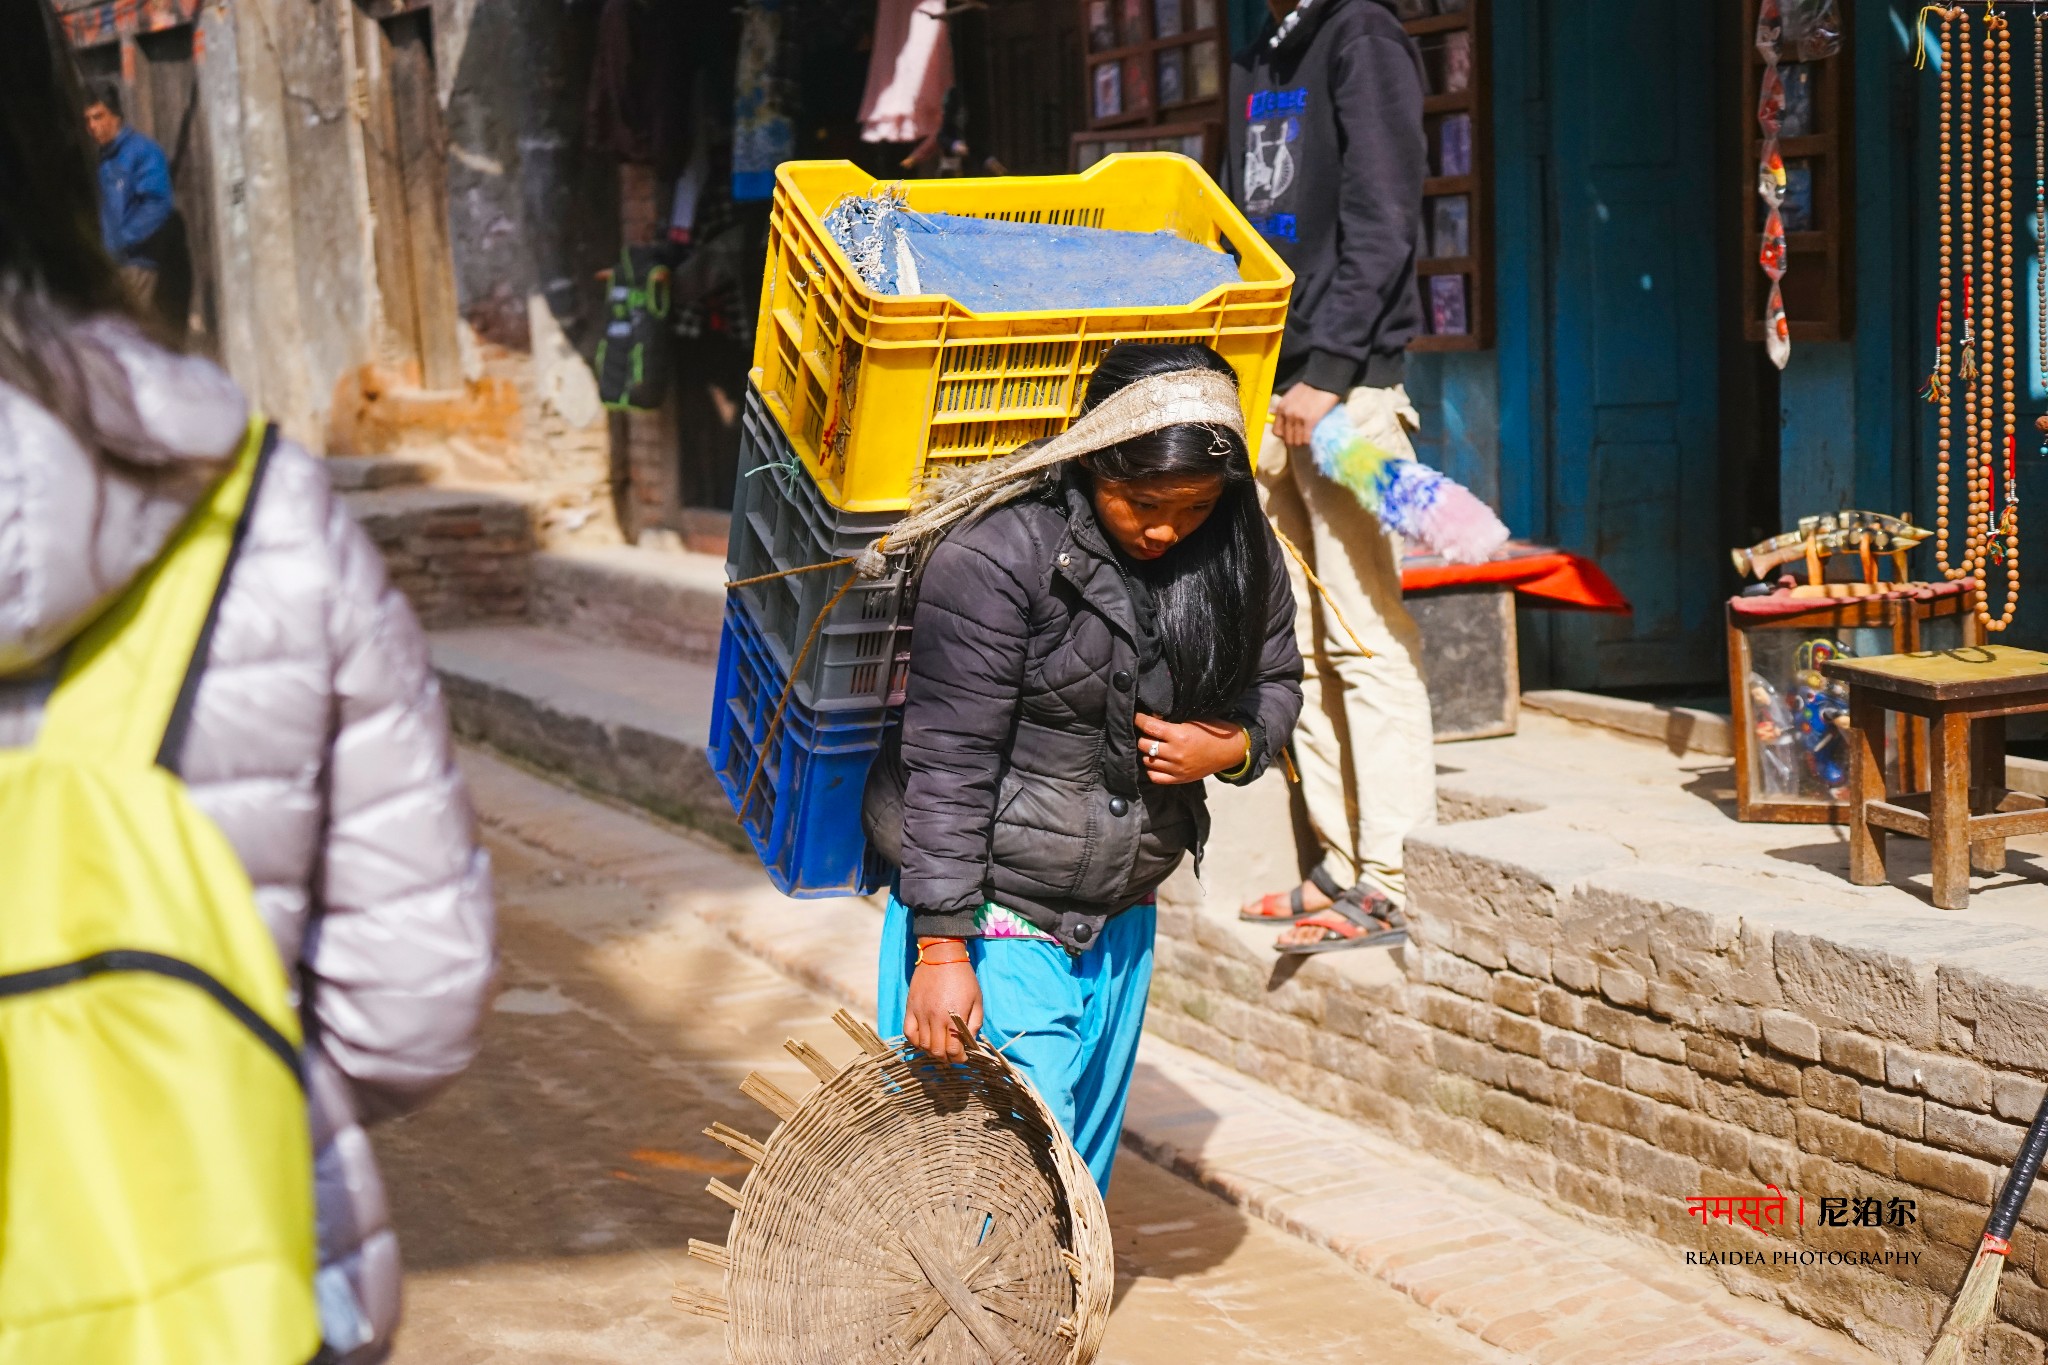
948 962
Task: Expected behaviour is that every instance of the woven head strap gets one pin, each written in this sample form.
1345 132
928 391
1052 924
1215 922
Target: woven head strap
1182 398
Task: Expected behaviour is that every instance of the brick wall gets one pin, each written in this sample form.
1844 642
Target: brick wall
1623 1040
650 440
461 555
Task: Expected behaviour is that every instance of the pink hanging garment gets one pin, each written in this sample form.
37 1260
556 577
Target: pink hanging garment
909 73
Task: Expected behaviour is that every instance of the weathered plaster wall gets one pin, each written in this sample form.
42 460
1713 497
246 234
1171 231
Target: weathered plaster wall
336 274
219 72
297 288
277 374
529 209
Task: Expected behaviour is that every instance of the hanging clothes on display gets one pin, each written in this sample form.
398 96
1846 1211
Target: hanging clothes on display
616 118
695 178
641 79
909 73
763 136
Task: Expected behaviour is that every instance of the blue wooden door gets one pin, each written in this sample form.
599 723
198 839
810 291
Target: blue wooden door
1633 439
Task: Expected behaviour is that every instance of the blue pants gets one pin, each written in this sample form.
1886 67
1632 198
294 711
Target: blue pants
1070 1024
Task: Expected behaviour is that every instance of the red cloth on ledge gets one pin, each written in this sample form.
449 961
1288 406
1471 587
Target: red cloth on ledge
1540 576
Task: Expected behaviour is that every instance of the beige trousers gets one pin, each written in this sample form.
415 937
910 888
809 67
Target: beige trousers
140 281
1364 744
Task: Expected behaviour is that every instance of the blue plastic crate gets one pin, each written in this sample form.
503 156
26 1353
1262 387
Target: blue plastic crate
804 815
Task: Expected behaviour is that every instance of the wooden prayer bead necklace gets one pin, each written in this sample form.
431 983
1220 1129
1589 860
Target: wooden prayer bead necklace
1987 365
2041 217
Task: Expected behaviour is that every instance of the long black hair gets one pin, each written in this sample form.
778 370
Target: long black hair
1211 590
54 269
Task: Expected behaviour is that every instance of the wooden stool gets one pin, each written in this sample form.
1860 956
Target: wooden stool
1965 695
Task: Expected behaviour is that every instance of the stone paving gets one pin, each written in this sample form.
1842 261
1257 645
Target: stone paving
545 1202
1520 1277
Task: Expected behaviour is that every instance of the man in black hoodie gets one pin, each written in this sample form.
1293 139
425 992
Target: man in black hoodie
1326 159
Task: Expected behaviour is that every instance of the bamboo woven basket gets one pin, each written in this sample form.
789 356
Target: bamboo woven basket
909 1212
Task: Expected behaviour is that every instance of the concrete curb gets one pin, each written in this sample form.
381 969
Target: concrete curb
1681 729
569 707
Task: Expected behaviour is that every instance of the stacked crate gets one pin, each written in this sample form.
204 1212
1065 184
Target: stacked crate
803 692
857 396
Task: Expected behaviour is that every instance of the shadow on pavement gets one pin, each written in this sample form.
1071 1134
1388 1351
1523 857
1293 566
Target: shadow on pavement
616 1038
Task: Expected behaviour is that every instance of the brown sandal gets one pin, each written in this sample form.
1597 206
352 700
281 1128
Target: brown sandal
1268 910
1374 921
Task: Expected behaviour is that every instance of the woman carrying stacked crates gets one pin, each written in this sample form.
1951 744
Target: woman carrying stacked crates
1106 625
1082 617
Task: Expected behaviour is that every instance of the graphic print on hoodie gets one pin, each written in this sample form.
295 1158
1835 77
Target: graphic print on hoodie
1272 144
1326 159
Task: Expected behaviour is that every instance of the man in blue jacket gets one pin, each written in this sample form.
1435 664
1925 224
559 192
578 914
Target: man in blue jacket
135 193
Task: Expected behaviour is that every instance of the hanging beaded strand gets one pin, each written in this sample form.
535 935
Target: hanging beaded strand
1990 408
2002 427
1977 345
2040 223
1983 467
1983 217
1966 363
1942 392
2006 525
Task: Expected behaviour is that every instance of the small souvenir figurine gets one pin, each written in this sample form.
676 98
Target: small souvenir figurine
1813 653
1776 745
1823 725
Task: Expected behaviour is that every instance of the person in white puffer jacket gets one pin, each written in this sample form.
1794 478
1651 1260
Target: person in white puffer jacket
317 740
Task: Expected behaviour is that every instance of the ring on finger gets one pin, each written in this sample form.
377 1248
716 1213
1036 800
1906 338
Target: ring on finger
1153 752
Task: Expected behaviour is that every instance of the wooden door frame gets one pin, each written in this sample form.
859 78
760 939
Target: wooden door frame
406 163
195 199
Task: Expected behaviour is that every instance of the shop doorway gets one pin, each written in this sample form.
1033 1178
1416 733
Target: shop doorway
160 98
168 109
1635 337
406 150
1034 74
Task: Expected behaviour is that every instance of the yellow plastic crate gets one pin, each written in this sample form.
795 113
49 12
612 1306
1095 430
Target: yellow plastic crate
875 389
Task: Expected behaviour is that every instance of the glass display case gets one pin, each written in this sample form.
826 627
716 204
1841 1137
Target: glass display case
1790 725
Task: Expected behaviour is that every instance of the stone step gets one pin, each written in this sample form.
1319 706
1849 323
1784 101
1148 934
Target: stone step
460 554
668 602
366 473
1682 729
624 723
1618 998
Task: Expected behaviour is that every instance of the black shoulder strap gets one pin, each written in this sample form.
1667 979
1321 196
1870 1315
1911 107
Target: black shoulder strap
170 754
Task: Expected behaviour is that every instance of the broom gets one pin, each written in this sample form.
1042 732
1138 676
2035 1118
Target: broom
1969 1314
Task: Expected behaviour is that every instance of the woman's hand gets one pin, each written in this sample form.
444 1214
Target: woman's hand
1188 752
939 990
1299 409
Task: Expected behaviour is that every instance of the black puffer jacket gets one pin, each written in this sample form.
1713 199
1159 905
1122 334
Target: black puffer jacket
1015 777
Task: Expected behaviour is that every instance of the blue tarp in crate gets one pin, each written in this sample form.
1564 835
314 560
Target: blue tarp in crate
804 815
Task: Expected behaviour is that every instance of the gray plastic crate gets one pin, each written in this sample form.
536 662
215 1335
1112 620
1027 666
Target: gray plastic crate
781 521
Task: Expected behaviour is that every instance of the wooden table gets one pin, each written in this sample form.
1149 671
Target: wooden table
1967 814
